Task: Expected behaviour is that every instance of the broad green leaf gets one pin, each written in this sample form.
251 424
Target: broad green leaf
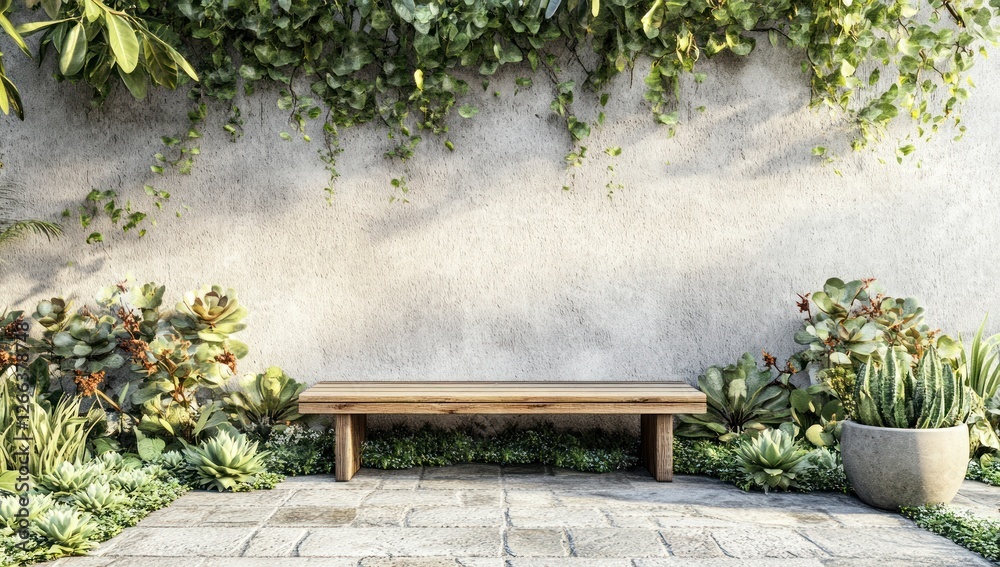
595 7
12 32
160 66
33 27
135 81
91 10
653 20
74 50
52 7
124 44
180 61
551 8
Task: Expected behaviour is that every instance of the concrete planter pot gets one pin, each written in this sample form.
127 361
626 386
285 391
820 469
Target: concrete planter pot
890 467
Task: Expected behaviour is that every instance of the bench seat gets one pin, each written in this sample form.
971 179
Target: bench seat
655 402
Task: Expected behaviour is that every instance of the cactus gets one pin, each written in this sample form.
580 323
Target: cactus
893 395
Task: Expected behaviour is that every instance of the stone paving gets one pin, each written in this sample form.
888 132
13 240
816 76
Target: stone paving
491 516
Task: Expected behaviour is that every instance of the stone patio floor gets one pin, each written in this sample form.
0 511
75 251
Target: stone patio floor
491 516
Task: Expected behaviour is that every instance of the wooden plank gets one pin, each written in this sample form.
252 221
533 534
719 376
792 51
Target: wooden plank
657 445
349 436
498 408
502 392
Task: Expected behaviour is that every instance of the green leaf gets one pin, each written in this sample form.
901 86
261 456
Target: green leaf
653 20
135 81
123 42
12 32
91 10
160 66
74 50
52 7
551 8
467 111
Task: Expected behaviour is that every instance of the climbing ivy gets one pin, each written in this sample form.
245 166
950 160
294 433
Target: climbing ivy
405 63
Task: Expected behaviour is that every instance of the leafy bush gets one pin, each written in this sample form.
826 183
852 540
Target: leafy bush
981 535
846 323
740 398
818 414
298 450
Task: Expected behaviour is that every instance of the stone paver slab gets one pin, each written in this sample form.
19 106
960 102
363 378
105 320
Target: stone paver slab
405 542
454 517
761 543
691 543
412 498
311 516
519 542
567 562
616 542
274 542
889 543
334 498
379 516
534 517
180 542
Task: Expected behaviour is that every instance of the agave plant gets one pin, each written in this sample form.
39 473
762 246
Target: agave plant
98 497
225 461
67 531
68 478
10 506
264 402
740 398
893 395
771 459
130 480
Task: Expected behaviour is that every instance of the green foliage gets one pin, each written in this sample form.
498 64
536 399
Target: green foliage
771 459
264 402
67 478
893 395
298 450
848 323
817 413
98 497
981 535
840 380
589 451
985 469
224 461
982 366
740 398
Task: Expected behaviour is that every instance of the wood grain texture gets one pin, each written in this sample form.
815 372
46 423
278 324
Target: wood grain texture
633 408
502 392
657 445
349 435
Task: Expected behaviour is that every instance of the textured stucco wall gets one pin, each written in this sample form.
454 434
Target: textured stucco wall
492 271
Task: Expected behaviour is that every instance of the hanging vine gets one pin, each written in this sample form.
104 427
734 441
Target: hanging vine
399 62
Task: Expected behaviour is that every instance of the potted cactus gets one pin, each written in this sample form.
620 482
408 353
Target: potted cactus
908 444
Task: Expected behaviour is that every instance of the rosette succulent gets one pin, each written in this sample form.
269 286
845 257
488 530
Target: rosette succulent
225 461
68 531
87 344
52 314
771 459
264 402
740 398
98 497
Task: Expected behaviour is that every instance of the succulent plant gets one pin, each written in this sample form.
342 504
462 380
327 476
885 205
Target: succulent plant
87 344
67 531
224 461
211 315
10 506
771 459
740 398
172 462
818 413
130 480
893 395
98 497
840 380
68 478
52 314
264 402
855 321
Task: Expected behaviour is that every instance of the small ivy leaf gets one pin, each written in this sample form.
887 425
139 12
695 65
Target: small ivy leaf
819 151
95 237
467 111
669 119
846 69
772 36
418 78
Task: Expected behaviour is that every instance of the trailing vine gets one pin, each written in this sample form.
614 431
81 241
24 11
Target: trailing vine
401 63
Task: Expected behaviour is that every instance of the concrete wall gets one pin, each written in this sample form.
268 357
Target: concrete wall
492 271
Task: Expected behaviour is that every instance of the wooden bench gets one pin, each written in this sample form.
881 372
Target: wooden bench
655 402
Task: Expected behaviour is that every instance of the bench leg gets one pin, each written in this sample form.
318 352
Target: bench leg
657 445
350 435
